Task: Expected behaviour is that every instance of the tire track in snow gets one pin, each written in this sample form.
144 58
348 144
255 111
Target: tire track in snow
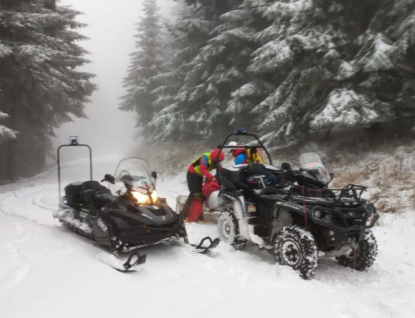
48 200
14 277
31 203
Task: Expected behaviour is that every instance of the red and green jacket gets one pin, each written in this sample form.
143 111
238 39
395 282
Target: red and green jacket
202 165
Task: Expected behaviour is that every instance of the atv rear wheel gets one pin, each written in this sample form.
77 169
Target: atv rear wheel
296 248
229 230
363 256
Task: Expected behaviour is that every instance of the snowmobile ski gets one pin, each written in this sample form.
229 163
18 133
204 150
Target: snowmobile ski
132 263
199 248
134 260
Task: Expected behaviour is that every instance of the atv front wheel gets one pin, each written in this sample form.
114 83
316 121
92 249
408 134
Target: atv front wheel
229 230
296 248
363 256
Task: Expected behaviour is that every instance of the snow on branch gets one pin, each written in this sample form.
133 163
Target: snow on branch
284 9
271 57
379 56
345 108
6 133
5 50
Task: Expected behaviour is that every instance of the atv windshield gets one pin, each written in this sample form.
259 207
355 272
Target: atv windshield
311 162
134 170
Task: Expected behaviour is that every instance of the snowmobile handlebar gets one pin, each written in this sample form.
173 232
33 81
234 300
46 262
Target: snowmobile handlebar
109 178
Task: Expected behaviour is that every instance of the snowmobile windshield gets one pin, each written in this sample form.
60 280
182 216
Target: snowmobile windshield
137 172
311 162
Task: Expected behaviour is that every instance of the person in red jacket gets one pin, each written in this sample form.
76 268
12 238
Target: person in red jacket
197 171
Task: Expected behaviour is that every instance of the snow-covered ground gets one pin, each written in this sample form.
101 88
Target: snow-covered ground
47 271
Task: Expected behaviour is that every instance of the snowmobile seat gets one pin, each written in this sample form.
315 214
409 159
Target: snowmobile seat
73 192
88 189
101 198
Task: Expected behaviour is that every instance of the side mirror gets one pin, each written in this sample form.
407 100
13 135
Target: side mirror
109 178
154 175
285 166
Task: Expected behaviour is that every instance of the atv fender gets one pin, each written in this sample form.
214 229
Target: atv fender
237 204
240 214
282 218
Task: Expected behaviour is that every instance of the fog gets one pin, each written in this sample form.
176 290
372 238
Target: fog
111 27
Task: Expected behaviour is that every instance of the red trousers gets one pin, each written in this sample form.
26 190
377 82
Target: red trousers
196 209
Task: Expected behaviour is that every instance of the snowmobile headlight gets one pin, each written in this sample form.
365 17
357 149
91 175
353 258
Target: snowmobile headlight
145 198
154 197
141 197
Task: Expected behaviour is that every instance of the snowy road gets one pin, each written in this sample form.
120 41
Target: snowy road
47 271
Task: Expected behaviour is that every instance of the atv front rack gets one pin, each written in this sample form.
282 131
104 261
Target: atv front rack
351 191
348 211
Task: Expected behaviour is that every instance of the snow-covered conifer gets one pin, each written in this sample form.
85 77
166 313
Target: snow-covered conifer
206 70
6 133
146 64
39 80
188 34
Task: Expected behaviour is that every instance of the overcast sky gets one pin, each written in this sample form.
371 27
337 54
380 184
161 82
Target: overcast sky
111 26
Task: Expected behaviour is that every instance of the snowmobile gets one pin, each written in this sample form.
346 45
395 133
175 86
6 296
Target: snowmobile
299 217
125 216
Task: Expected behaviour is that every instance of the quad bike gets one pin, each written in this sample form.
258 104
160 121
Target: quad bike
126 216
299 217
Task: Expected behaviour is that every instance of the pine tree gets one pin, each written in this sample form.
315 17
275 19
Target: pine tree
189 33
40 84
6 133
196 109
288 68
217 70
146 63
332 65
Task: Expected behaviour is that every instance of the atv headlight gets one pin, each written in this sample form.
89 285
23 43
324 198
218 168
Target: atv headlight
317 214
327 216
